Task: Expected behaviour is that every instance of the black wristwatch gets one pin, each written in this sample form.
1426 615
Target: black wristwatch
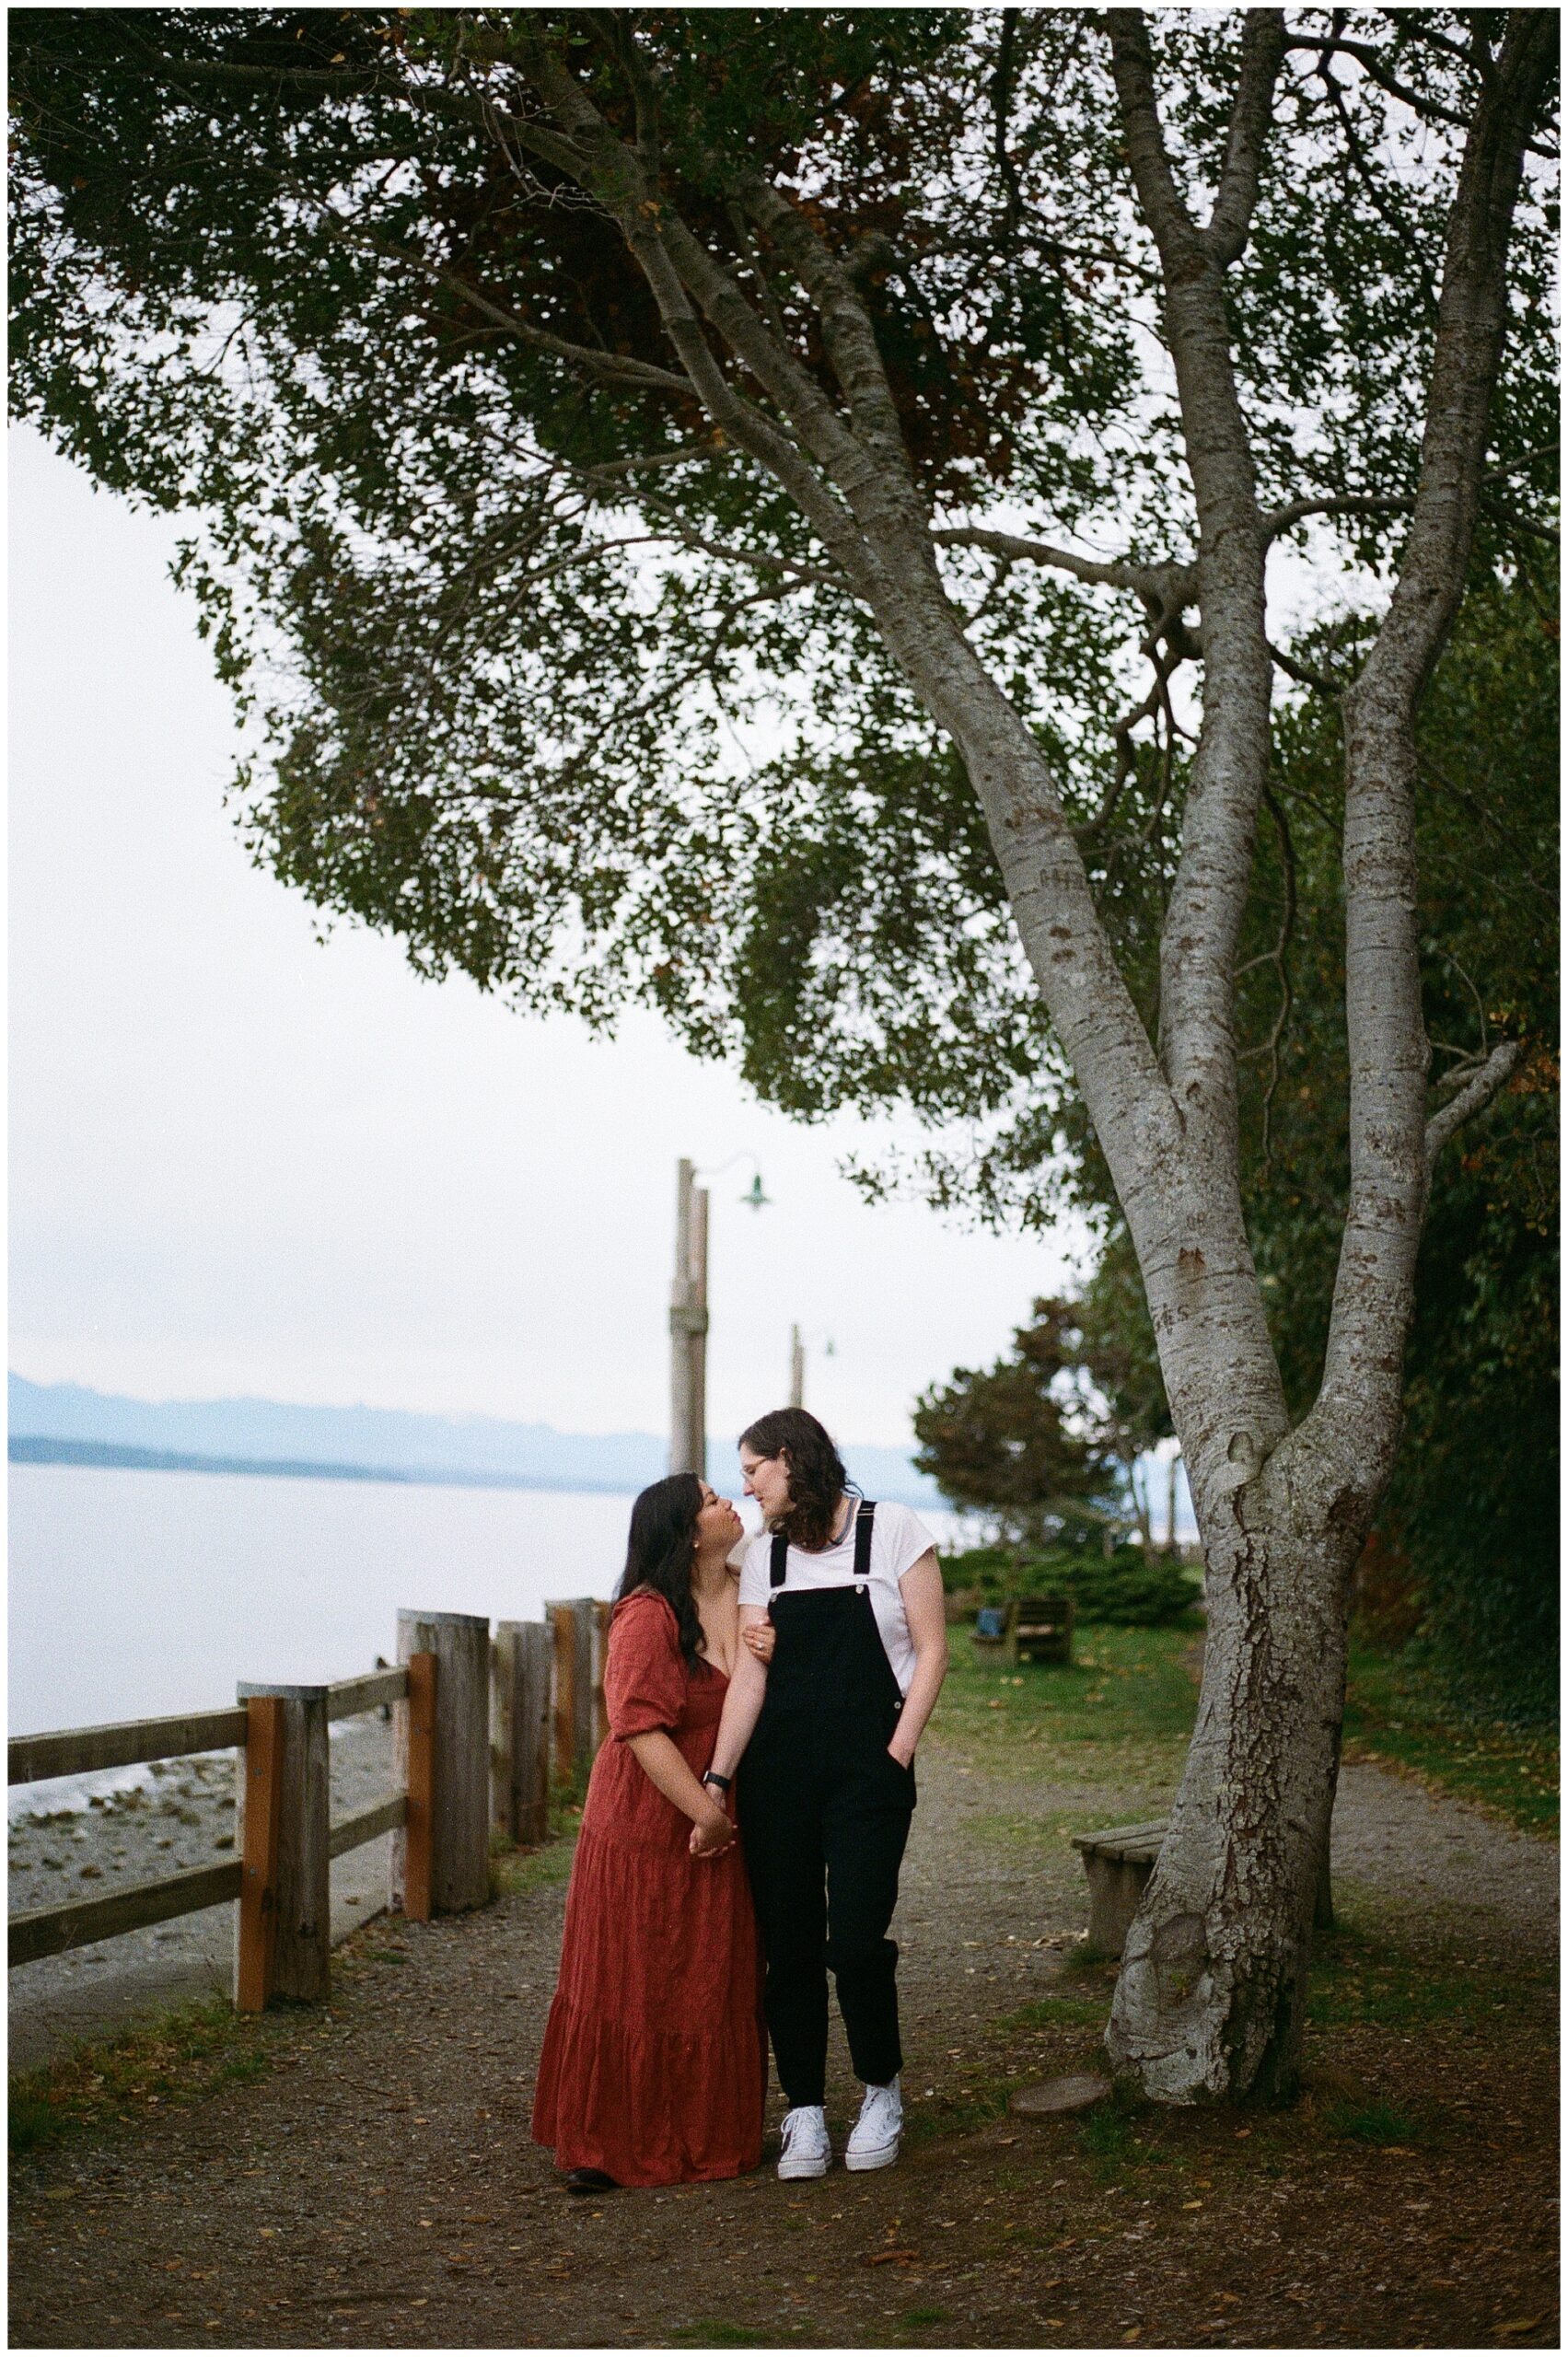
720 1784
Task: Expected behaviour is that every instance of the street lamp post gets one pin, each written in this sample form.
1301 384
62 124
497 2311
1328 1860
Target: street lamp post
688 1328
688 1314
797 1369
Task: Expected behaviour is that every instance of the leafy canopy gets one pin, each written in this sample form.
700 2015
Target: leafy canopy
551 683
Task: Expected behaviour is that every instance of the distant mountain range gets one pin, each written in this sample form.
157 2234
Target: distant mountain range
65 1423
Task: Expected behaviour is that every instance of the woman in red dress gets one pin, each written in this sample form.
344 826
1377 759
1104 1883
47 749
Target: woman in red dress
655 2059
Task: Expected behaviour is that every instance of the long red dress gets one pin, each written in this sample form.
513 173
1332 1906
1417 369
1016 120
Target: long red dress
655 2059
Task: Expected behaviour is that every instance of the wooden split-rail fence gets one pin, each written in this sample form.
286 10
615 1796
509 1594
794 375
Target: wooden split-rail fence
483 1727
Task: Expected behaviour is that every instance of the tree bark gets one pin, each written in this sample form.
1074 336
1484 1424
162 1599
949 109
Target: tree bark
1212 1982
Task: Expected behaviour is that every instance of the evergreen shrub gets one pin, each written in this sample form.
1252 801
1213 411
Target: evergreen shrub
1125 1590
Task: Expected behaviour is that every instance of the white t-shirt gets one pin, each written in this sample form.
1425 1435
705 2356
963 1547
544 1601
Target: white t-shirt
899 1539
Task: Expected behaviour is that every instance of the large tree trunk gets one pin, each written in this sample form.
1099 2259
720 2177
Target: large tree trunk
1214 1974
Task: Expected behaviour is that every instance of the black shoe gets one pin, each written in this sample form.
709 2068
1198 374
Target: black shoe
590 2182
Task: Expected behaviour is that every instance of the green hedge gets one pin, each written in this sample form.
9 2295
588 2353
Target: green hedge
1127 1590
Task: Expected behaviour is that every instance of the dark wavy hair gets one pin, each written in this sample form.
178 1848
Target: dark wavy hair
817 1476
660 1548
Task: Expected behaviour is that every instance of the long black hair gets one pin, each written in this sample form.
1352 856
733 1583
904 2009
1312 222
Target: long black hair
660 1549
817 1476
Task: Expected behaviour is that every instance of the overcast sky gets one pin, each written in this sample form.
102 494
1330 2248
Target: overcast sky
242 1161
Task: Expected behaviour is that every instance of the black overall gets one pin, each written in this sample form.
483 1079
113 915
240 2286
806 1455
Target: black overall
824 1812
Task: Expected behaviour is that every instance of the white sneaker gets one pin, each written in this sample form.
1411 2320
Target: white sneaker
805 2151
874 2140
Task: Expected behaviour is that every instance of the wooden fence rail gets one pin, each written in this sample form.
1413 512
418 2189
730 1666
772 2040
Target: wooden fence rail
77 1751
50 1931
353 1696
475 1724
353 1832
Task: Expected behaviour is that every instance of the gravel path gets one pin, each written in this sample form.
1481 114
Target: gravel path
1437 1857
378 2186
1390 1834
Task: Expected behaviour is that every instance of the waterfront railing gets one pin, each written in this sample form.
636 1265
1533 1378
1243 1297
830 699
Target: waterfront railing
478 1723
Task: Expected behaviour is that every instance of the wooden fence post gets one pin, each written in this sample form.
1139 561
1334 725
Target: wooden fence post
459 1809
302 1935
260 1803
563 1689
419 1784
504 1672
519 1728
576 1629
601 1653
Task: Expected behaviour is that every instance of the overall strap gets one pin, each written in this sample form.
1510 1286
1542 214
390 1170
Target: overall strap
778 1557
863 1538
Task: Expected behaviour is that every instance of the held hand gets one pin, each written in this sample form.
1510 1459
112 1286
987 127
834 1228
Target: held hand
711 1835
761 1640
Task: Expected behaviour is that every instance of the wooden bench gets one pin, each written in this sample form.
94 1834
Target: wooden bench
1038 1628
1119 1862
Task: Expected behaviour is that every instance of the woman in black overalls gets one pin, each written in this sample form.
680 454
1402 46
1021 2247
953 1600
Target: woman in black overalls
826 1785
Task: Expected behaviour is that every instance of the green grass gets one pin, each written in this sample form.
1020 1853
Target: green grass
188 2052
975 2104
1363 1978
33 2121
1105 2138
719 2332
1372 2123
1124 1707
912 2318
1058 2013
514 1870
1395 1712
1123 1712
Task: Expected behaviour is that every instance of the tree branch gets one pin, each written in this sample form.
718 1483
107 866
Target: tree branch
616 365
672 260
1208 899
1283 518
1472 313
1473 1098
1276 957
847 333
1165 208
1262 52
650 461
725 553
1390 1141
1430 110
1168 582
1306 674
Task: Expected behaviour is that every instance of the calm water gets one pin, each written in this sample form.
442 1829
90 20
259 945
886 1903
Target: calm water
133 1594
